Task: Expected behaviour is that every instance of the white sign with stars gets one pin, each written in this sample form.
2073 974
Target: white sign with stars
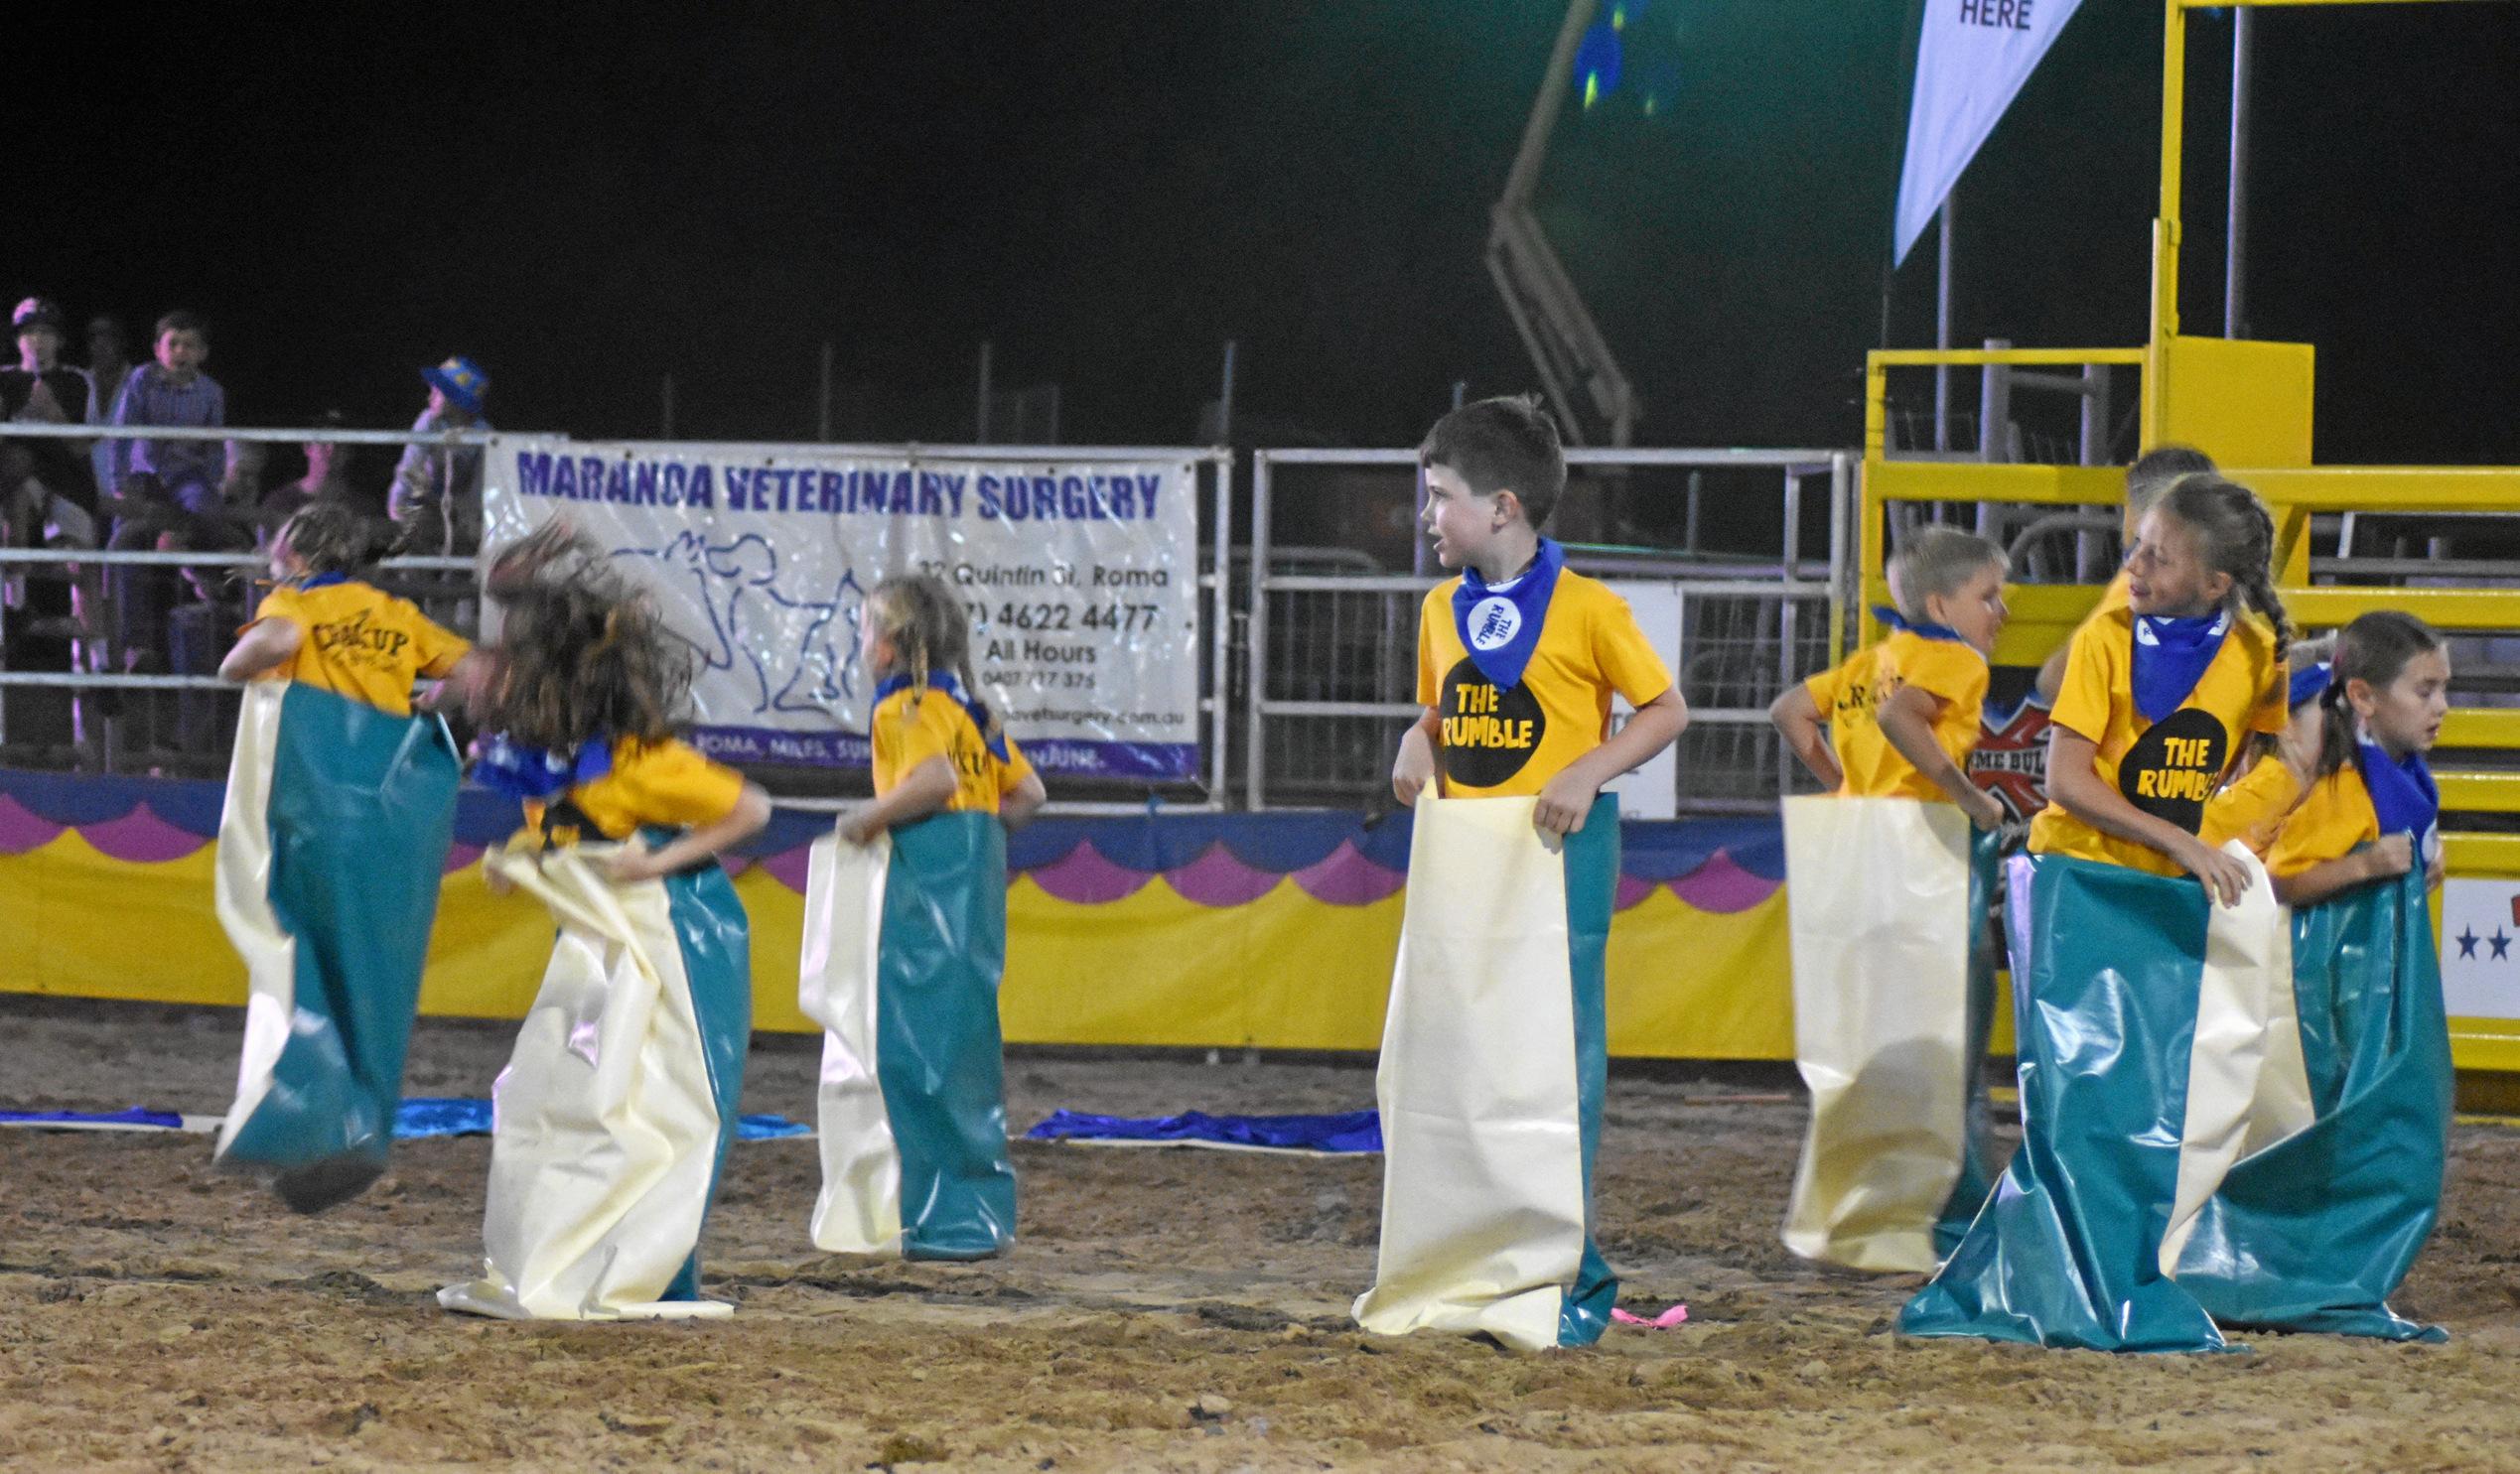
2480 947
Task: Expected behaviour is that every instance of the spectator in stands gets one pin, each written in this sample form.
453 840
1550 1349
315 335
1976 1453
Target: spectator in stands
53 497
166 489
109 365
435 498
327 480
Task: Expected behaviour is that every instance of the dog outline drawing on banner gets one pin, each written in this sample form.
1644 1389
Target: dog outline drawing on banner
801 653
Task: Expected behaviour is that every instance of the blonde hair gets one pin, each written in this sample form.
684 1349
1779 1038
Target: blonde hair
1933 562
930 632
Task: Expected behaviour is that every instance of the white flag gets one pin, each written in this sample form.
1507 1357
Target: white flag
1971 59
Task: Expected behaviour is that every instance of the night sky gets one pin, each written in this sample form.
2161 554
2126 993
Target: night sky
588 199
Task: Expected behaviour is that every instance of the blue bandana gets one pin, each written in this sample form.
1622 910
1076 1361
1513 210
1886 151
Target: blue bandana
2308 684
1922 629
1501 626
945 682
2403 793
2170 656
532 774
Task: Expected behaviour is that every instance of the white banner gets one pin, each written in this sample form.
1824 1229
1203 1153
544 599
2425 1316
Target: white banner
1081 580
2480 947
1971 60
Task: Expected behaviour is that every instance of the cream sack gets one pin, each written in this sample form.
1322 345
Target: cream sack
903 948
331 844
1080 578
1893 979
614 1115
1494 1058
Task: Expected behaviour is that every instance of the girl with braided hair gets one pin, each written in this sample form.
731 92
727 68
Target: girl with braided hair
2160 699
616 1108
904 946
2314 1232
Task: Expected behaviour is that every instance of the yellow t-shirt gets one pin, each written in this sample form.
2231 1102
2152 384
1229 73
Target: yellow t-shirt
2334 819
2252 809
1509 744
914 726
360 643
2169 768
668 783
1851 696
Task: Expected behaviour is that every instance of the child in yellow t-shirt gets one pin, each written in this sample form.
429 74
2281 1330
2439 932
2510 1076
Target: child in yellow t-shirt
937 748
1508 908
1900 718
2372 811
326 628
2158 701
616 1108
920 1167
333 838
2314 1232
1517 657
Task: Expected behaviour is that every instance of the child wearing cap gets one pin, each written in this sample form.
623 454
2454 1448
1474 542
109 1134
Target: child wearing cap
436 490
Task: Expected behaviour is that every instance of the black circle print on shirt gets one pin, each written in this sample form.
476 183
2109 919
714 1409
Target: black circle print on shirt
1489 735
2172 767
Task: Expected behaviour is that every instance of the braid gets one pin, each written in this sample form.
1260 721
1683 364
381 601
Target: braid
2255 576
2337 735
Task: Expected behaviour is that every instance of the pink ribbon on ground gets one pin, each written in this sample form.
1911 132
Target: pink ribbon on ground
1663 1322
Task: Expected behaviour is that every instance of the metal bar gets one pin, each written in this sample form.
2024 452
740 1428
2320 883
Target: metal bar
1995 415
34 430
1942 324
1403 584
1838 592
1220 631
2435 568
148 558
2497 793
86 681
1256 659
2236 198
2473 726
2034 357
2065 485
2272 4
2328 605
1580 455
2173 124
1376 709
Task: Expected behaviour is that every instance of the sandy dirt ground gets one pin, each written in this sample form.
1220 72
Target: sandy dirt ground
1163 1309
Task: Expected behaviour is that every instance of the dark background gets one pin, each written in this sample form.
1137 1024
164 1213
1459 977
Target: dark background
589 198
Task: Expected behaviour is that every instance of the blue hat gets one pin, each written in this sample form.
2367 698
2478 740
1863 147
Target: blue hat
460 379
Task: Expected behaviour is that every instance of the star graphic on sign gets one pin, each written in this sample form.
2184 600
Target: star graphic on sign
2468 942
2501 941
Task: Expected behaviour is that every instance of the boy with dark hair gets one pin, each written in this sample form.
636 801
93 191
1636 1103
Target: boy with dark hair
163 485
1494 474
1494 1053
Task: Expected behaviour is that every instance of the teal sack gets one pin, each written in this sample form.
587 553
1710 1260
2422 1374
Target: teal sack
716 943
942 1058
2313 1233
1591 892
1977 1173
332 845
2067 1251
